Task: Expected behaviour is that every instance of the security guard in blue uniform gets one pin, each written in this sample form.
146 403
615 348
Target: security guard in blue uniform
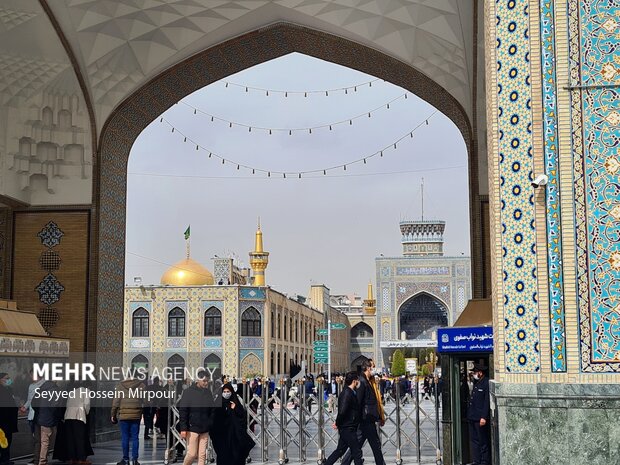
478 416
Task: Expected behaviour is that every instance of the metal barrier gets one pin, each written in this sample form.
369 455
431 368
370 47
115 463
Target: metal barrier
298 425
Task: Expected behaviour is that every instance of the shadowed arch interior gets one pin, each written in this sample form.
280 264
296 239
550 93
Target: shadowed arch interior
421 315
361 330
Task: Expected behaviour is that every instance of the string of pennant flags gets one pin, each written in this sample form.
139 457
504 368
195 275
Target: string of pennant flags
254 170
306 93
291 130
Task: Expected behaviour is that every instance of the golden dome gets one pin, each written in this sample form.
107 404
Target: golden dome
187 272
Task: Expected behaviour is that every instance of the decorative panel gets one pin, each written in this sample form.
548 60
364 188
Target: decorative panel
50 269
514 121
212 342
595 106
441 290
251 342
252 293
251 364
557 319
385 300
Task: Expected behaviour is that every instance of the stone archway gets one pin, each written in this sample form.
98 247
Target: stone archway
143 106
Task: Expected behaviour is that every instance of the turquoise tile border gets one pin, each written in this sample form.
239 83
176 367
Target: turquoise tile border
557 317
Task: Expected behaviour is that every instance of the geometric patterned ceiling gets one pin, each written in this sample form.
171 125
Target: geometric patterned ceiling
121 44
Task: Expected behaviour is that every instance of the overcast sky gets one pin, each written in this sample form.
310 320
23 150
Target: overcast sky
321 229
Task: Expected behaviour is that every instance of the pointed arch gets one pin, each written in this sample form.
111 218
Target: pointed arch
361 329
421 315
251 323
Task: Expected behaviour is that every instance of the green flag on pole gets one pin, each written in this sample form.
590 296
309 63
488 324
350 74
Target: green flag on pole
186 233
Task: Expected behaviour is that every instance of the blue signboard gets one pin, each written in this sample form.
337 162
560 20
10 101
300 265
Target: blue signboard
474 339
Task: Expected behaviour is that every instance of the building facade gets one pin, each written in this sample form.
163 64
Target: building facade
362 321
419 291
233 329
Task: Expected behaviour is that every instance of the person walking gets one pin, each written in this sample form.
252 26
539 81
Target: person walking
47 415
372 415
195 419
309 392
72 440
127 412
347 422
478 416
150 408
231 441
8 416
34 384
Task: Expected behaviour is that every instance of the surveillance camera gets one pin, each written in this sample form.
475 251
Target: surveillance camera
540 180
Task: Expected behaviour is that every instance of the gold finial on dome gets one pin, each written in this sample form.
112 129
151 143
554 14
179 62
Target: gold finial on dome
187 272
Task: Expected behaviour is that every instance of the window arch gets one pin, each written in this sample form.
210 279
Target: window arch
213 364
176 364
140 323
250 322
361 330
176 323
140 361
213 322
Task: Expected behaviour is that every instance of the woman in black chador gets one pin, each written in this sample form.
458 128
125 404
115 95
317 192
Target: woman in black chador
231 441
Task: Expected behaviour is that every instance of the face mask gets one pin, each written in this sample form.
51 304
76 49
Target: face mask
8 382
476 376
226 395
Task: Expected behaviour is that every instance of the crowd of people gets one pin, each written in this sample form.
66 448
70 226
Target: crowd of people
210 410
55 425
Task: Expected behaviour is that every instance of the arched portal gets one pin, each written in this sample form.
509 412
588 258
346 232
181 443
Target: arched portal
130 117
213 365
140 361
421 315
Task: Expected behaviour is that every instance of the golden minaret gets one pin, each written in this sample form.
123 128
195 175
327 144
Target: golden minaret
370 304
259 259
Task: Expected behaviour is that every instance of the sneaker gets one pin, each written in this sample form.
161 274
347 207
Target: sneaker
135 462
123 462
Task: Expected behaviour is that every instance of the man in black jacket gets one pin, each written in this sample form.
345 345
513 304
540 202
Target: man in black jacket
195 420
370 415
478 416
347 422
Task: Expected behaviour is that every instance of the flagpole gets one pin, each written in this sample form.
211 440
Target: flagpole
187 241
